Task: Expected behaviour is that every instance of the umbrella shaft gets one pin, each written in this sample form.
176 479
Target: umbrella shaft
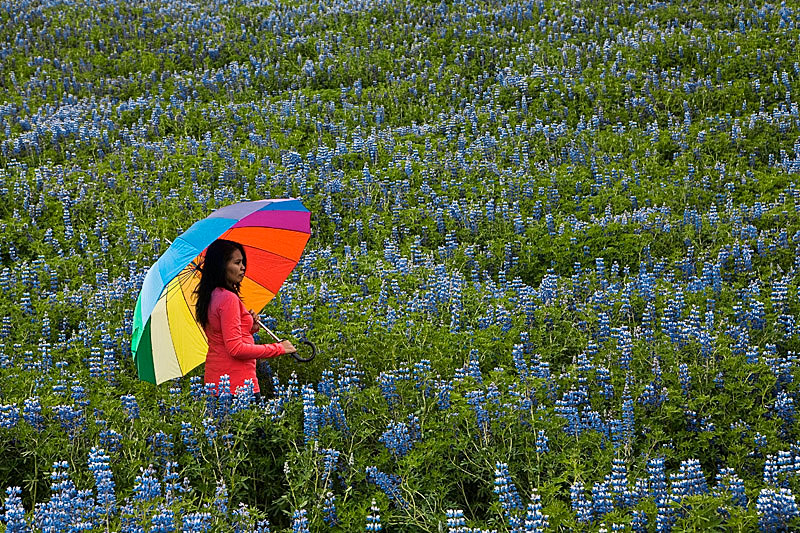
268 331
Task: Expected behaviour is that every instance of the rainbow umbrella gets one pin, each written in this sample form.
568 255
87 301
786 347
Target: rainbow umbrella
167 341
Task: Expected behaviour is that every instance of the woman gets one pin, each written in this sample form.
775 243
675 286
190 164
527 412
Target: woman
228 325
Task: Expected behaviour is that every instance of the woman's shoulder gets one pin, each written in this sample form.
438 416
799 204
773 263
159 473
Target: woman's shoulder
221 295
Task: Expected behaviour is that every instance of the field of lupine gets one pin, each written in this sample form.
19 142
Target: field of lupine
552 276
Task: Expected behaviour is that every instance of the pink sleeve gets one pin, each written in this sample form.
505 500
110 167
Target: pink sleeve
231 324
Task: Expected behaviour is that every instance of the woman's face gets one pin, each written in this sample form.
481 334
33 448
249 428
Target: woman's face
234 270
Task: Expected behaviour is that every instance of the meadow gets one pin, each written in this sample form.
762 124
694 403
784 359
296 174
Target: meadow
552 275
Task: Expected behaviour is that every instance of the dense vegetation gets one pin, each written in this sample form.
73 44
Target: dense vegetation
552 275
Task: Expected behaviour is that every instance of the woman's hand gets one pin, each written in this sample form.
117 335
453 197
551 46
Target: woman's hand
256 325
288 347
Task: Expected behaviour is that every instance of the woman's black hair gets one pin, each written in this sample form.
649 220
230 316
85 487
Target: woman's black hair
213 275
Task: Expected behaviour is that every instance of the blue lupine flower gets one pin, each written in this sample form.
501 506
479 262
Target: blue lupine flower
657 478
399 438
728 481
473 367
172 488
542 445
14 517
602 501
299 521
66 502
330 461
603 328
99 465
784 408
196 388
333 414
210 430
189 439
72 419
476 400
162 445
618 484
568 410
443 388
665 514
244 397
224 400
146 486
421 373
221 497
639 521
518 356
130 406
374 518
685 379
506 490
628 418
350 377
689 480
9 416
535 520
388 386
778 467
241 519
329 509
196 522
163 521
775 509
580 505
455 521
310 414
388 483
327 384
625 347
603 379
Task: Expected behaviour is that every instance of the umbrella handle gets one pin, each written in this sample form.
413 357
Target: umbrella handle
296 357
306 359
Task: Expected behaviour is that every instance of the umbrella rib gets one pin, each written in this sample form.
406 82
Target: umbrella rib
161 296
271 252
248 245
185 273
262 286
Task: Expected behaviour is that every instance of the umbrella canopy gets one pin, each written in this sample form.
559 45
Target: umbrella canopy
167 341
